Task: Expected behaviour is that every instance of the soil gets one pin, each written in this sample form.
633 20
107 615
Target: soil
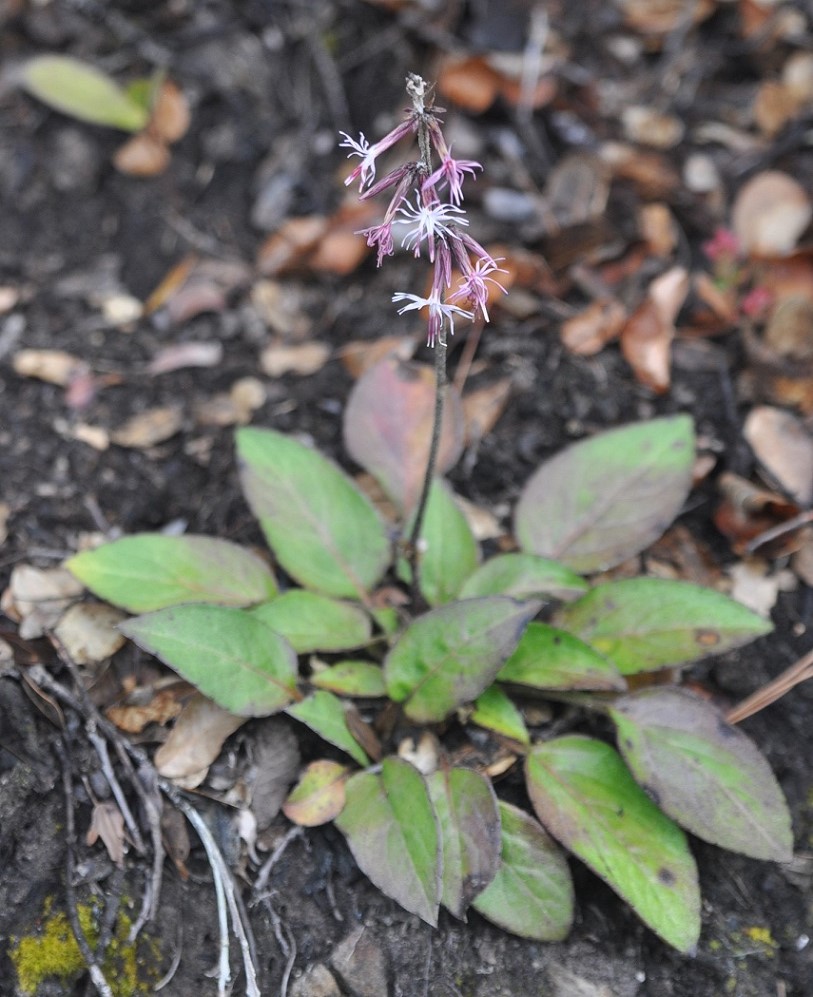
270 85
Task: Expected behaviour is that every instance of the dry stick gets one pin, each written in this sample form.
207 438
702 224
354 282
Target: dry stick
94 721
224 886
782 684
95 970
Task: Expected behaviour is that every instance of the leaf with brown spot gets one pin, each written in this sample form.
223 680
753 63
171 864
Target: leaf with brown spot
704 773
585 796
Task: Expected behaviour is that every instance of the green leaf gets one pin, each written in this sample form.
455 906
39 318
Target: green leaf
585 796
532 893
449 656
469 822
495 711
391 828
449 551
227 654
351 678
325 715
524 576
643 624
388 423
81 91
601 500
548 658
313 622
318 797
703 772
151 571
324 532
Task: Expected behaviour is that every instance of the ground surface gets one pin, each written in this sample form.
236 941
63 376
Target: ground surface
270 84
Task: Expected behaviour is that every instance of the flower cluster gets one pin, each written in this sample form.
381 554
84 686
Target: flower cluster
425 211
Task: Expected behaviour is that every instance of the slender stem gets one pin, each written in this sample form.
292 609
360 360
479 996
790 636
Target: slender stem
431 463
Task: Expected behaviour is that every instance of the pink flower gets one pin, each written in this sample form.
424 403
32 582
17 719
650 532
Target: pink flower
723 245
380 237
757 302
430 222
453 171
365 170
440 312
474 284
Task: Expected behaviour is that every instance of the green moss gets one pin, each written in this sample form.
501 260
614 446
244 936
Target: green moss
51 952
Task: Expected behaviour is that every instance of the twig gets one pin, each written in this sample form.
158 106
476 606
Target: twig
176 961
262 878
782 684
101 750
224 887
96 975
287 946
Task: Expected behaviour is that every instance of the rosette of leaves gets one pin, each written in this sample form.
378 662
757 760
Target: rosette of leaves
493 638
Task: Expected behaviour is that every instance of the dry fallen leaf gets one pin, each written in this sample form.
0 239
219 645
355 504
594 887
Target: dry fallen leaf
107 823
754 586
149 428
747 511
37 597
245 396
195 741
661 17
143 155
783 445
648 126
170 113
52 366
647 337
589 331
770 212
149 706
288 247
88 631
359 355
305 358
658 229
182 355
483 407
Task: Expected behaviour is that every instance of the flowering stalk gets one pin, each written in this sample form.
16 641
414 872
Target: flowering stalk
426 204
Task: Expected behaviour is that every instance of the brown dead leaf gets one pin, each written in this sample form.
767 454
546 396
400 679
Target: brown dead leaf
51 366
341 249
588 332
88 631
648 126
483 523
679 555
278 358
470 83
577 189
770 212
658 229
747 511
170 114
483 407
236 408
143 155
93 436
774 106
37 597
756 587
647 337
275 761
195 741
359 355
652 174
175 835
149 428
107 823
150 705
661 17
179 356
288 248
783 445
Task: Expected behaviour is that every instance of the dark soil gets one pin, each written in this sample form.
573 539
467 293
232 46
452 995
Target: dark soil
270 85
